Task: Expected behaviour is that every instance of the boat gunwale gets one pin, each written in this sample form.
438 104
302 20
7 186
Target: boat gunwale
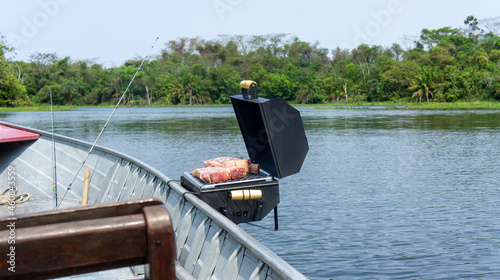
270 258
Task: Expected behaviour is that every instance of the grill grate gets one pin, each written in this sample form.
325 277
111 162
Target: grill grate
247 179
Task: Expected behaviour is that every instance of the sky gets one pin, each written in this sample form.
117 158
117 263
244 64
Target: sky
111 32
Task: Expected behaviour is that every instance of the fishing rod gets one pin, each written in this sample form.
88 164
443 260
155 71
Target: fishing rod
54 161
106 124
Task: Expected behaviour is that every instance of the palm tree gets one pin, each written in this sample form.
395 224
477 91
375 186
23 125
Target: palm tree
303 94
68 86
178 90
425 84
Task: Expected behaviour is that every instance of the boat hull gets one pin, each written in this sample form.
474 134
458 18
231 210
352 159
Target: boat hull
208 244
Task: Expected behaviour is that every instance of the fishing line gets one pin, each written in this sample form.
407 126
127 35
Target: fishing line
54 161
106 124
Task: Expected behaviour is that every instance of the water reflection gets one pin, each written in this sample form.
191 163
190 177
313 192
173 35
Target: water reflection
382 193
393 119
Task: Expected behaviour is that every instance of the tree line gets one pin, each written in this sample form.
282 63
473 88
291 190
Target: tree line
441 65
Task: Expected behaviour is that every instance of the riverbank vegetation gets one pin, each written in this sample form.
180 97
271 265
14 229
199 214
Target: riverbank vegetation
457 105
438 66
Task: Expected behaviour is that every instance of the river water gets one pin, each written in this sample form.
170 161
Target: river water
383 194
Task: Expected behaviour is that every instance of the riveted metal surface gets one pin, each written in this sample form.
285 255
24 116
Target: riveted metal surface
209 245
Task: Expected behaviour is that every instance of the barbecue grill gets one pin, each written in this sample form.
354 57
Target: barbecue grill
275 139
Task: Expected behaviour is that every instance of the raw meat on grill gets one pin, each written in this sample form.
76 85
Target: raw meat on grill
225 168
233 161
228 161
217 174
254 168
220 161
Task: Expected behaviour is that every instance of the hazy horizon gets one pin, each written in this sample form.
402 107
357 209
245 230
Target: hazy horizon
112 32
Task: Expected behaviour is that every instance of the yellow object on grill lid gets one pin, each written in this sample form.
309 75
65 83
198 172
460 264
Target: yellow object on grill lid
247 84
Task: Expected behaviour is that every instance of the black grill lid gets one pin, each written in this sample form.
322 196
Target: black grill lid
273 133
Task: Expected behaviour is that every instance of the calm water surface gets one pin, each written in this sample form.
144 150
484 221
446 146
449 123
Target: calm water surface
383 194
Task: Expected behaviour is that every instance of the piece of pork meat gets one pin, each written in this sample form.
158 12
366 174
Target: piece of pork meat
254 168
220 161
233 161
217 174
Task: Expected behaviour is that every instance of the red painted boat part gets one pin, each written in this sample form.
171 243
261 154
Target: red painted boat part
14 134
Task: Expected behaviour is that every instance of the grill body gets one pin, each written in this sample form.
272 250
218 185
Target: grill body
275 139
218 196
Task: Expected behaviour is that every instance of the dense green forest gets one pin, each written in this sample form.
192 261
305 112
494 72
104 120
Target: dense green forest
442 65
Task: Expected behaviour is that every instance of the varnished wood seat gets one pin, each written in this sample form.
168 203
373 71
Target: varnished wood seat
87 239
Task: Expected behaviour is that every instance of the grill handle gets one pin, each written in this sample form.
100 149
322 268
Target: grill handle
249 89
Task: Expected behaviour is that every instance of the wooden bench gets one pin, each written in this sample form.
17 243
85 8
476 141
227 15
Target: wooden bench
87 239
